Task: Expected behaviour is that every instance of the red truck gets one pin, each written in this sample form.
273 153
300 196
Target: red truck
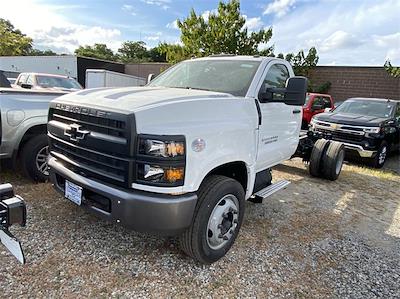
315 103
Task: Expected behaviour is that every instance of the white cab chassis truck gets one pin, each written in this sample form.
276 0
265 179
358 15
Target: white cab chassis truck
180 156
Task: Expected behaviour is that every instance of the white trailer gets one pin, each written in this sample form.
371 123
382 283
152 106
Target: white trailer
65 65
104 78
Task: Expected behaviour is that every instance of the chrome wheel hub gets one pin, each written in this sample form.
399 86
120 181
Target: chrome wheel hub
41 160
222 222
382 155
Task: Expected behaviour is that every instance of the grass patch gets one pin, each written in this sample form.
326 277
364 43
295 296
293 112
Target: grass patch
378 173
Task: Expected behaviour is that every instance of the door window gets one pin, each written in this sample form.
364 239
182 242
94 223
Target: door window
29 80
397 114
276 77
22 79
327 102
318 103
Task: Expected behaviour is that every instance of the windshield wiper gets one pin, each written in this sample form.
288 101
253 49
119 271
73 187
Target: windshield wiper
189 87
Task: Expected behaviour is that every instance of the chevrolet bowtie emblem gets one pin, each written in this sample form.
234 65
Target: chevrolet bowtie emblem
335 126
75 133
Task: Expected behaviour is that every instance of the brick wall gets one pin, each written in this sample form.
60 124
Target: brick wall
357 82
144 69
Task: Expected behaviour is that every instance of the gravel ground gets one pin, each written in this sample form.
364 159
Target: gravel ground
316 239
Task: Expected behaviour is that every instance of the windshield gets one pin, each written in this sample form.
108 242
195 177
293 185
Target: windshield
230 76
367 107
58 82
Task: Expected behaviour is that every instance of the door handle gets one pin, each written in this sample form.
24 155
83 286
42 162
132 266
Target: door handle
296 111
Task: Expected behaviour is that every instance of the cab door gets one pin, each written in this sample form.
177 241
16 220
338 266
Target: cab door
280 123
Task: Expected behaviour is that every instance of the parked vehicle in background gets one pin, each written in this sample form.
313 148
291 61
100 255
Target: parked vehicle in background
368 127
3 81
47 81
23 119
12 80
103 78
315 103
181 155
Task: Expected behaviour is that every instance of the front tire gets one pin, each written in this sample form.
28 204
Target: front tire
34 158
217 219
381 156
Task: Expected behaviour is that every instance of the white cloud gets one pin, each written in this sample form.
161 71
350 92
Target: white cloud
253 23
206 14
129 8
339 40
279 7
349 33
154 37
164 4
50 28
173 25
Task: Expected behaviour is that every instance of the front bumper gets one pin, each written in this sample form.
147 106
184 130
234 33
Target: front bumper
363 153
138 210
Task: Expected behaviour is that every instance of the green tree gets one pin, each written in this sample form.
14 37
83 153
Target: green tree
157 55
131 51
37 52
173 53
394 71
13 41
223 32
100 51
302 63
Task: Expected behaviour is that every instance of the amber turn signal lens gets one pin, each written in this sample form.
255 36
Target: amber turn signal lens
174 174
175 149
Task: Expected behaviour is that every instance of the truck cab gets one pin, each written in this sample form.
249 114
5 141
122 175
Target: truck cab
315 103
181 155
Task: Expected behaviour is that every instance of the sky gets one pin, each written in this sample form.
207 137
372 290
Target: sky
345 32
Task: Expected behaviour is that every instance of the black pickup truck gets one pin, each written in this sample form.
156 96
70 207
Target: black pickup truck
368 127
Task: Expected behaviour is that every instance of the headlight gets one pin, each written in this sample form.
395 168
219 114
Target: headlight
372 130
161 175
161 160
161 148
312 121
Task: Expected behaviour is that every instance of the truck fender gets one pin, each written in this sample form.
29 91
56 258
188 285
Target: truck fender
236 169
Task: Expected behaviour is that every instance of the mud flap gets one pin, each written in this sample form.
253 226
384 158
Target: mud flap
12 211
13 245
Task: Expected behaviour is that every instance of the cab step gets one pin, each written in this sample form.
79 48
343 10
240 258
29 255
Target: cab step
268 191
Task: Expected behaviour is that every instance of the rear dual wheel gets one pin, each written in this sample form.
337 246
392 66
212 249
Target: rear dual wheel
326 159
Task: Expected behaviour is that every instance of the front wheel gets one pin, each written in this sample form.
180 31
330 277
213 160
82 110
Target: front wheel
381 156
34 158
216 221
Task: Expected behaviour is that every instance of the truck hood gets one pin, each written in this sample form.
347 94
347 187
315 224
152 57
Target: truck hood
351 119
135 98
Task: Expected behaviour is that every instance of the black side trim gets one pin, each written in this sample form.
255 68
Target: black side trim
258 111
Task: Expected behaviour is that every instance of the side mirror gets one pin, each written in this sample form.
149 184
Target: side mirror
327 110
294 93
150 77
26 85
296 89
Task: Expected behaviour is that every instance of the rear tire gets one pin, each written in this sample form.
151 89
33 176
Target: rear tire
317 153
34 158
216 221
333 160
